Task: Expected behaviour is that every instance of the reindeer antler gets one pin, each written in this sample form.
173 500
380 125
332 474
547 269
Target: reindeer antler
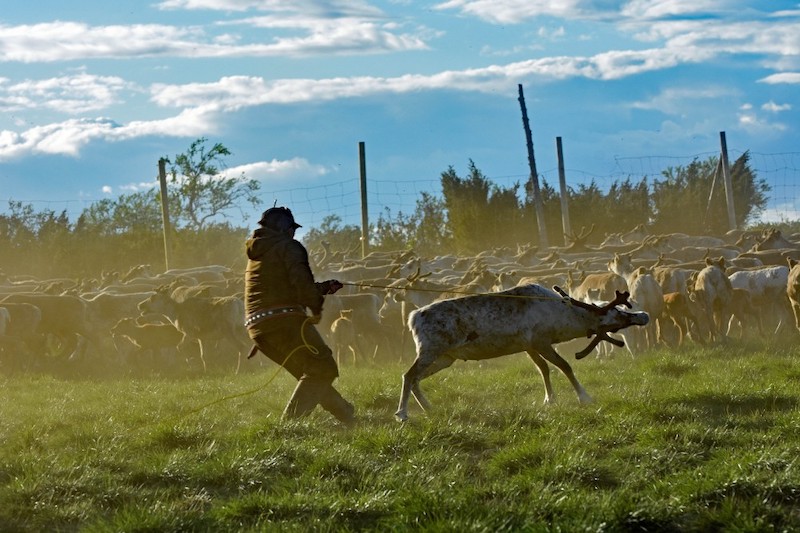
621 298
573 301
598 338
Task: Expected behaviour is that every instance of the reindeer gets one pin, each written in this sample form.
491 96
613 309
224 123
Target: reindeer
713 290
793 289
577 242
647 295
528 318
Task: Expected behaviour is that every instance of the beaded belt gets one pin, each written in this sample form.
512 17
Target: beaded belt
272 311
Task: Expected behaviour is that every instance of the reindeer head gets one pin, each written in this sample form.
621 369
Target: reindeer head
622 264
611 319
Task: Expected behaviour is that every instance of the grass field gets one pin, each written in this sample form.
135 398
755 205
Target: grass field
694 440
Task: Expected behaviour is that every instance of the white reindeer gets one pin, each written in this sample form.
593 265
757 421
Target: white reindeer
528 318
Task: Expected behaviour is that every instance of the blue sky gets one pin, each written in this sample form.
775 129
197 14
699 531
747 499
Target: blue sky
94 93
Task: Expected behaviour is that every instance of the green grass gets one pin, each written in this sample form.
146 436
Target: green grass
690 440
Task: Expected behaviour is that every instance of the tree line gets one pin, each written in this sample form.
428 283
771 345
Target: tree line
471 215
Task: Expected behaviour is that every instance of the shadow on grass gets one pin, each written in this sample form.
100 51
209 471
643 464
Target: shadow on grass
724 405
753 412
743 491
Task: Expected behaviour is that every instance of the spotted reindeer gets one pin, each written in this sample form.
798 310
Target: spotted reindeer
528 318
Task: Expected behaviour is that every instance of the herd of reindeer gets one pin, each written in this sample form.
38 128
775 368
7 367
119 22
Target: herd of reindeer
694 289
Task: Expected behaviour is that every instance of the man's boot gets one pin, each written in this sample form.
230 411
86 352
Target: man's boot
304 399
335 404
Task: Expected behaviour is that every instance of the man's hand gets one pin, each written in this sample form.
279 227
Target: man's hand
333 286
314 319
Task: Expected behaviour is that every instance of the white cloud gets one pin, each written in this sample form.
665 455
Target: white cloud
679 100
59 138
551 33
72 95
202 104
235 92
343 34
722 36
65 41
654 9
141 186
639 11
275 170
62 41
338 7
689 30
787 13
782 77
775 108
106 189
752 123
490 51
199 120
518 11
220 5
70 136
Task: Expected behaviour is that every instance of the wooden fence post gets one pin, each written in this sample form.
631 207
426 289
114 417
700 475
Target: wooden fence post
562 183
726 174
362 163
162 178
537 196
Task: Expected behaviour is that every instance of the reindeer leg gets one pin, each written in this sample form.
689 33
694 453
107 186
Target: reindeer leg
202 356
552 356
422 368
440 363
544 370
69 346
408 378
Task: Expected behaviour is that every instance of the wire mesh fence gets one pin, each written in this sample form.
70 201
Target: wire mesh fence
312 204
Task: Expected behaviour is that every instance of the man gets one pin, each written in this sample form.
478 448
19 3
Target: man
279 287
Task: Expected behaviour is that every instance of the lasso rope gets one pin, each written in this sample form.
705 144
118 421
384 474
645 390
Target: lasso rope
261 387
448 291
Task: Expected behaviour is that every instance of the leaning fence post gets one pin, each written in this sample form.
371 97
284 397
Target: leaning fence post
537 196
726 174
162 178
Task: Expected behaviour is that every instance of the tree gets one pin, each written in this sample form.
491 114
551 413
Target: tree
199 193
692 199
481 215
115 233
139 212
749 192
628 205
587 207
466 200
34 242
337 237
431 234
425 231
392 233
18 228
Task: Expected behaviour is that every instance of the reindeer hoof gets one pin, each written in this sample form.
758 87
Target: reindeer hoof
585 398
400 416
